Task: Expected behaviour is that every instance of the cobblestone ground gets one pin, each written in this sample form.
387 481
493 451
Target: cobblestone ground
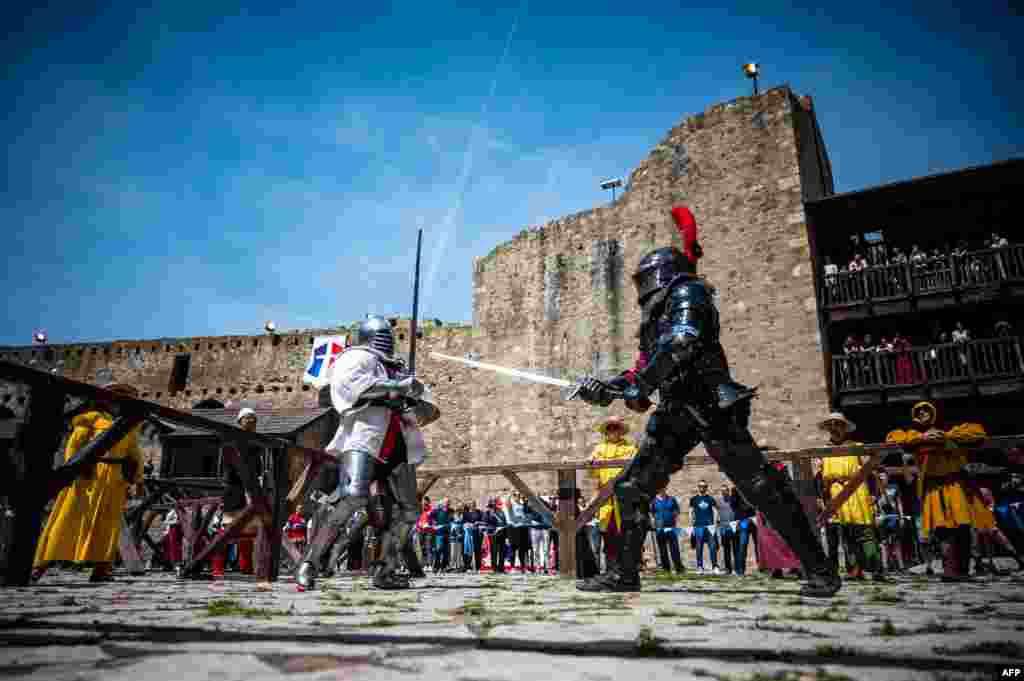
520 628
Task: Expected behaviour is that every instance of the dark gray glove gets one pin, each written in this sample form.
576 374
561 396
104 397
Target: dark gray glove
593 391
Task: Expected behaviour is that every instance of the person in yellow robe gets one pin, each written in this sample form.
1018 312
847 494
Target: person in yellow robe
856 517
85 523
614 446
945 507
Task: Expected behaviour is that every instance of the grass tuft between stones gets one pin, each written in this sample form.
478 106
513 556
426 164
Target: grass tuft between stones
227 607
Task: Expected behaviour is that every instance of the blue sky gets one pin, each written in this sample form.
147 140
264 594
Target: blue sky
196 168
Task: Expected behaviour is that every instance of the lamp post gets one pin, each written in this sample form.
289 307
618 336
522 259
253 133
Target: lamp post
612 184
752 71
39 337
270 327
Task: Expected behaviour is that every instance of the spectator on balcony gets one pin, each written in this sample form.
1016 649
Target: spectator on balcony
851 361
917 256
898 257
886 361
1003 329
905 373
961 337
998 241
831 279
858 264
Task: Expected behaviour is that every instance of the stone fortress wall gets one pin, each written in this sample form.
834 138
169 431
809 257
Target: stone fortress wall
559 300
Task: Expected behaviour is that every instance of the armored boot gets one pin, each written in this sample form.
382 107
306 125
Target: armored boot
326 535
338 552
387 575
412 562
768 490
402 483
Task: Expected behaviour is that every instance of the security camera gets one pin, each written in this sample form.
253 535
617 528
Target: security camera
611 184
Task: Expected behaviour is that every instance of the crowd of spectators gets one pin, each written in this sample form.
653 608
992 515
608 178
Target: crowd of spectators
891 359
508 535
931 269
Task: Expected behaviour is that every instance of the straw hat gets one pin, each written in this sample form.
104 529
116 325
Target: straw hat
837 416
927 406
612 421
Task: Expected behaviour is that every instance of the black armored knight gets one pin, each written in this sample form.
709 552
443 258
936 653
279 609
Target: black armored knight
682 359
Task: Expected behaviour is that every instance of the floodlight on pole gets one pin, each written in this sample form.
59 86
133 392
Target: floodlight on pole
270 327
612 184
752 71
39 337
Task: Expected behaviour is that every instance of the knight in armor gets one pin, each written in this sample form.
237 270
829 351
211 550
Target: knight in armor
683 361
378 442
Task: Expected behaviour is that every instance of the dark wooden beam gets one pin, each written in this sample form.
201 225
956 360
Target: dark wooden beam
567 523
41 433
532 499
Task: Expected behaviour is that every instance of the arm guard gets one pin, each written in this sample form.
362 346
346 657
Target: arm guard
406 387
681 342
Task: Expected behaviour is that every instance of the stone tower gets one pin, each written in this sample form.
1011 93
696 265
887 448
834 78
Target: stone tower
559 299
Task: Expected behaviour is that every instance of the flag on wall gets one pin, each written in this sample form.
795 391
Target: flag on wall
321 359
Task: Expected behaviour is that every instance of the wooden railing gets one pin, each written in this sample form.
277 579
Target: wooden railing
987 359
982 268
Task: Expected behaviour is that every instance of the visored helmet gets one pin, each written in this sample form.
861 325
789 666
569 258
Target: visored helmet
375 332
657 269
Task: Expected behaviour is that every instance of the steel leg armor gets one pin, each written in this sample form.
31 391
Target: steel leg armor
402 485
358 469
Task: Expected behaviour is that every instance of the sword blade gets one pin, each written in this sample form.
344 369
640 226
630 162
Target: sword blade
507 371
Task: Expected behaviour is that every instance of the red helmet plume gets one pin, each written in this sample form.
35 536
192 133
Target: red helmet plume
687 226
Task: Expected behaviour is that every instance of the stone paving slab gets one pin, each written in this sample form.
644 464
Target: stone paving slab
494 627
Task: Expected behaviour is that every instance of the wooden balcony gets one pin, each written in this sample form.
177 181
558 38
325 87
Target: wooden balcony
933 283
989 367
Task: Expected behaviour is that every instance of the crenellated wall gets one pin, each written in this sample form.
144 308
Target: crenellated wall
558 300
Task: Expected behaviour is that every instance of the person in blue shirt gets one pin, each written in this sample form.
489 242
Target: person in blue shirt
702 516
665 510
441 517
726 529
745 529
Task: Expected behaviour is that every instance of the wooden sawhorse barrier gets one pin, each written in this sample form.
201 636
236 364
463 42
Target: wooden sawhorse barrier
36 482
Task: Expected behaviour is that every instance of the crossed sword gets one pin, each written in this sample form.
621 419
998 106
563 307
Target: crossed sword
574 386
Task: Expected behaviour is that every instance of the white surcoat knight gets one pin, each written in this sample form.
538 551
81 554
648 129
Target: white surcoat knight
364 428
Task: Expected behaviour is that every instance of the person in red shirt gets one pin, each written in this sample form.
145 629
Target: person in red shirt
425 533
296 529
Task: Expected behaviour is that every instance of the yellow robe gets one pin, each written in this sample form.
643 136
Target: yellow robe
98 543
944 503
609 451
59 538
836 472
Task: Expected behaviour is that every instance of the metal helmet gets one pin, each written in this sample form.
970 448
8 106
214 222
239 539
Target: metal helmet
658 268
375 332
